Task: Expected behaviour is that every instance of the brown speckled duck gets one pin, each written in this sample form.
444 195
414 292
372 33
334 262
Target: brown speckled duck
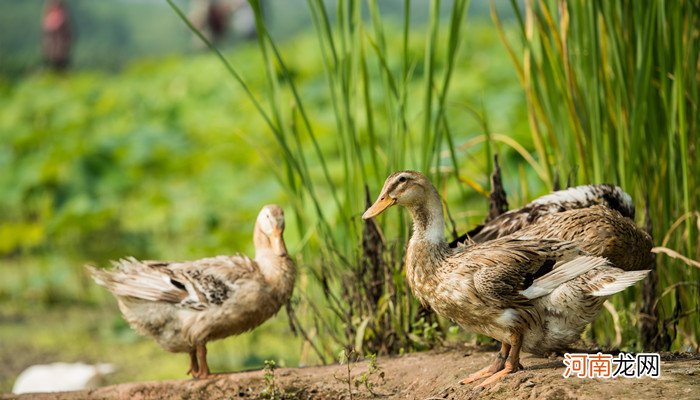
598 218
601 231
530 293
575 198
184 305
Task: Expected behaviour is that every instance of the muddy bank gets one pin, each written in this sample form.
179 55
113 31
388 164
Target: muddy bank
431 375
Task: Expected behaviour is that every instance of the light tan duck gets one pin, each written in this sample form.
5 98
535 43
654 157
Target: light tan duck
531 294
184 305
575 198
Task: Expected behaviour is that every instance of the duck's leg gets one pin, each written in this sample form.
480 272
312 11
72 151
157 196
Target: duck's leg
194 366
202 360
495 366
512 364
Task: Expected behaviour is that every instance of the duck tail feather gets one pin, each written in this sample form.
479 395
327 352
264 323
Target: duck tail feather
621 282
98 275
130 279
561 274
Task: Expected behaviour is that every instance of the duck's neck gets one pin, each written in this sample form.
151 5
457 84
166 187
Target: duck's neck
428 221
279 271
427 248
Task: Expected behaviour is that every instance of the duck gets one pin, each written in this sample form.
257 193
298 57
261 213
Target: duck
532 294
185 305
599 218
575 198
601 231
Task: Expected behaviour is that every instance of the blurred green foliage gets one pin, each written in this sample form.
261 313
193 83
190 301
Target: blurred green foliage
112 34
101 164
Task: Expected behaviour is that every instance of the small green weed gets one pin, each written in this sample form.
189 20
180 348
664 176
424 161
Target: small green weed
366 379
271 390
369 378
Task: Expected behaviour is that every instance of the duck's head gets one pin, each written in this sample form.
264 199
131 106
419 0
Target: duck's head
269 228
405 188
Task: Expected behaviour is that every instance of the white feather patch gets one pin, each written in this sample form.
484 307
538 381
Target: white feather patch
507 317
561 274
622 281
582 194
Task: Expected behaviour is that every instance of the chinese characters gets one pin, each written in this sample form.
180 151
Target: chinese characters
606 366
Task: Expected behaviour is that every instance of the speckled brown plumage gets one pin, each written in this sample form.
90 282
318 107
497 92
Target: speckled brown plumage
184 305
601 231
528 292
576 198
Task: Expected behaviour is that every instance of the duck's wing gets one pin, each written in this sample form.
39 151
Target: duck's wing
195 285
512 271
578 197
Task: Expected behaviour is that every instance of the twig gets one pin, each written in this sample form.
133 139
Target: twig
296 326
676 255
498 203
673 287
678 223
449 218
679 317
616 322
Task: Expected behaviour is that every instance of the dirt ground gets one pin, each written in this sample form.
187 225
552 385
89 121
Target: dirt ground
422 376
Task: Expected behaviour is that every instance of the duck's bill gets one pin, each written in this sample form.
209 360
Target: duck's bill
378 206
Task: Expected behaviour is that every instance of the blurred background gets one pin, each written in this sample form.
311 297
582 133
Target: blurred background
122 134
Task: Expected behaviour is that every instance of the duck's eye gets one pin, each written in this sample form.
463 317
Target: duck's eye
402 179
